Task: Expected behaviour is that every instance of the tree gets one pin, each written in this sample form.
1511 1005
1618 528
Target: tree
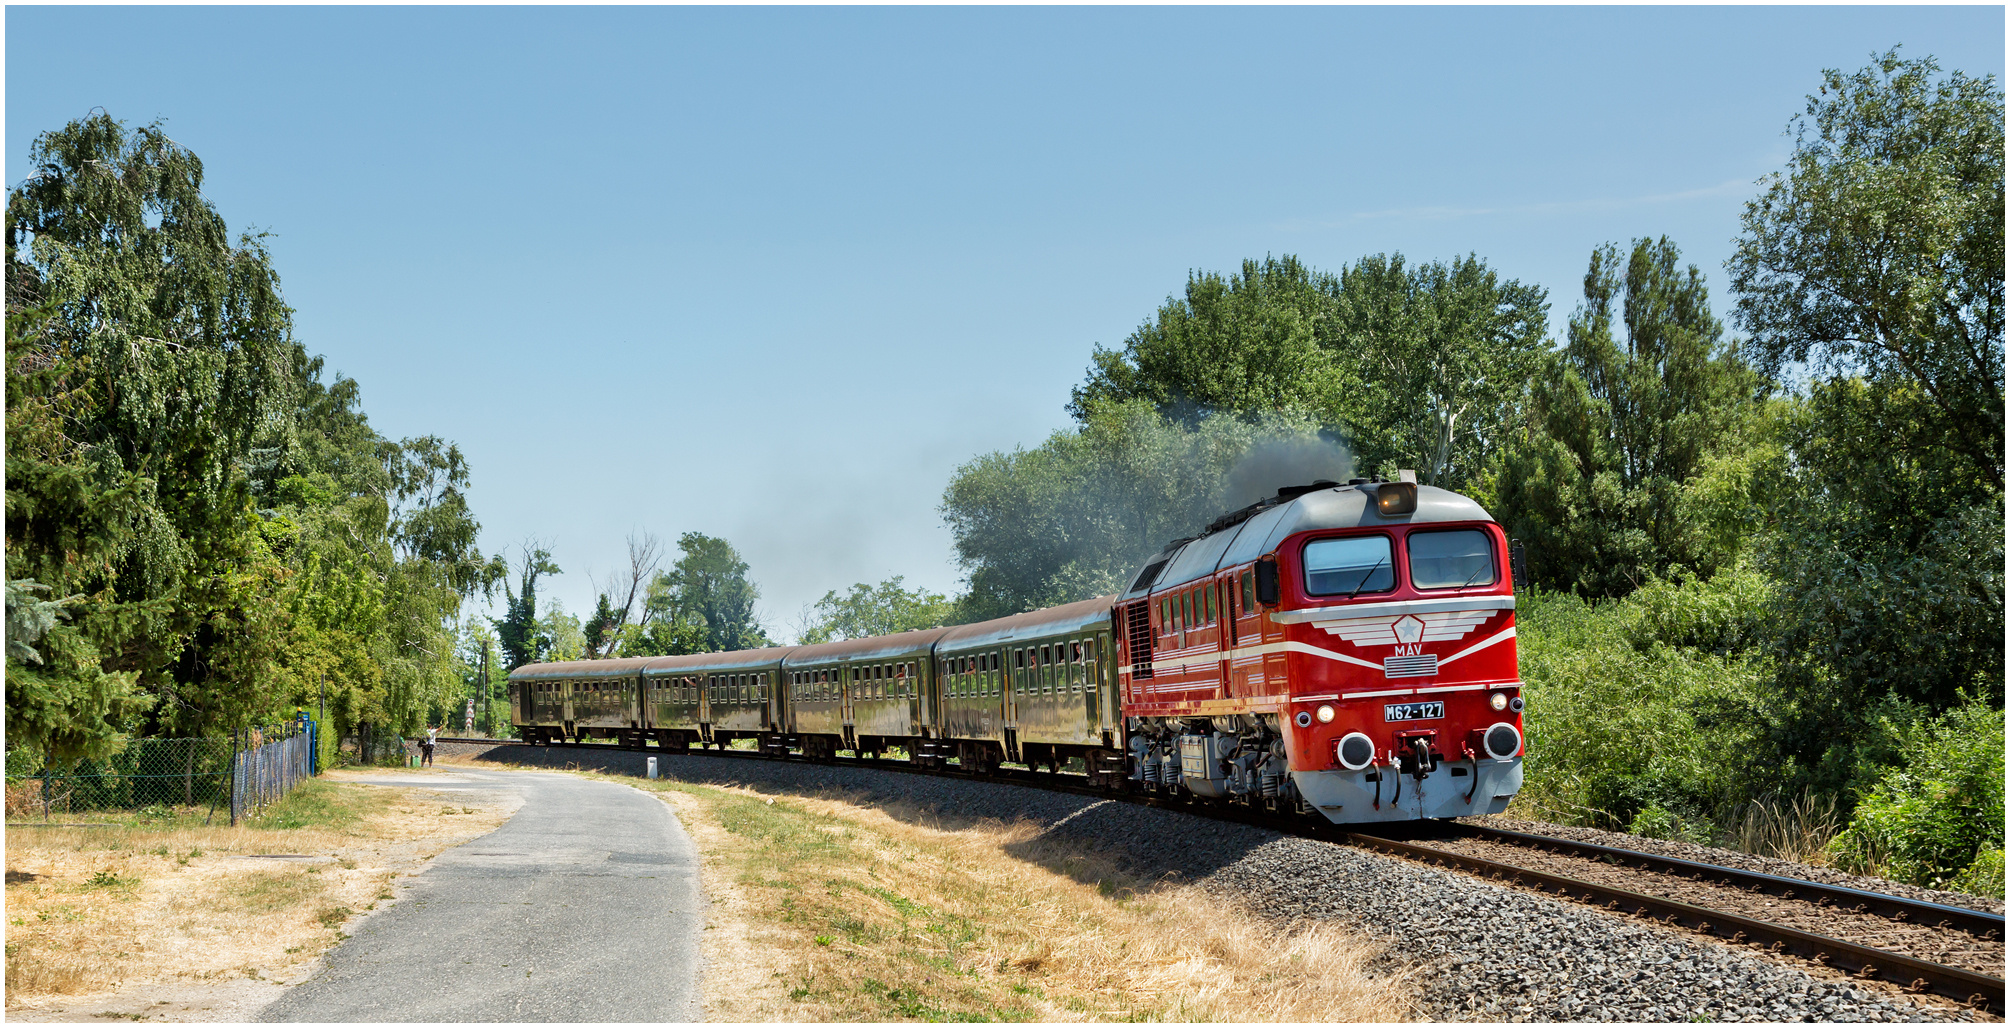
1876 257
64 524
609 632
882 609
1879 251
1442 354
222 533
704 603
518 631
1599 486
1258 340
1415 367
175 347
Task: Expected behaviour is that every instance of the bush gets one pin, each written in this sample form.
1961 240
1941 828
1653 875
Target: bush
1724 615
1657 822
1616 727
1935 819
1984 877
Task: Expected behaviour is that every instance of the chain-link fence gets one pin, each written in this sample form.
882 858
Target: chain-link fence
242 772
146 773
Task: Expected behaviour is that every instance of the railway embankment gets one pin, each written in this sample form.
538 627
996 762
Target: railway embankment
1460 947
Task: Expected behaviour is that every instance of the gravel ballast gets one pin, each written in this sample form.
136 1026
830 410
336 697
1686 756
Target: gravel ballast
1740 861
1479 950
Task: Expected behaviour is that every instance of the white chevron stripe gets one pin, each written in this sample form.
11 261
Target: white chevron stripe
1498 637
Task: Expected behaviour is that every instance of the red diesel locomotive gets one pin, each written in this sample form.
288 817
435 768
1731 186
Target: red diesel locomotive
1345 650
1325 645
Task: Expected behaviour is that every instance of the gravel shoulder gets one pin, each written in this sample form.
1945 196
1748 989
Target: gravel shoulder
1482 951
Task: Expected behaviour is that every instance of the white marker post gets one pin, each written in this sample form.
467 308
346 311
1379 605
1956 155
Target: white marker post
652 767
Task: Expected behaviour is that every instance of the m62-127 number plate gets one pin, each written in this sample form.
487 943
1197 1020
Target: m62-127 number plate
1413 711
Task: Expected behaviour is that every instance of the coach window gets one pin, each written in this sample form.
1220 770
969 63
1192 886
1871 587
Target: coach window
1350 565
1451 560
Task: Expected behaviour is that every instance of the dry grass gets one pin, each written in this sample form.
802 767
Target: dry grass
826 910
1800 830
95 909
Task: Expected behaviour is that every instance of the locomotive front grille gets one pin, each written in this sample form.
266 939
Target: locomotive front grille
1418 666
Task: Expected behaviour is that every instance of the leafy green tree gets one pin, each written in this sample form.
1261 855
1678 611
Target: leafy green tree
882 609
65 523
1876 257
706 600
224 536
177 345
1442 354
568 641
1262 339
1619 430
1415 367
519 632
1879 251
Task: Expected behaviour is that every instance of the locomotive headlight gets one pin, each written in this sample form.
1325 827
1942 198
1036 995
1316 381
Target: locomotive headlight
1516 704
1325 713
1393 498
1498 701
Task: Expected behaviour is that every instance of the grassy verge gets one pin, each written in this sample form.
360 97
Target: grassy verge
828 910
163 897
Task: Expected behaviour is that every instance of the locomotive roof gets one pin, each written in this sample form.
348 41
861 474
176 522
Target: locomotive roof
1069 617
1244 535
871 647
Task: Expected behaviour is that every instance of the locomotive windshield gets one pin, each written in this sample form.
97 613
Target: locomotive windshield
1449 560
1358 564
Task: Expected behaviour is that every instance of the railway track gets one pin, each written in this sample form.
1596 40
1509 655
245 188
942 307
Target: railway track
1920 946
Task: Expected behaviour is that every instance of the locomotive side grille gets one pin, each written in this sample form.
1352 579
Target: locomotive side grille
1138 620
1410 667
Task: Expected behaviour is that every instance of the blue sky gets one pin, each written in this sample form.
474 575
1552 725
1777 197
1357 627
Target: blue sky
772 274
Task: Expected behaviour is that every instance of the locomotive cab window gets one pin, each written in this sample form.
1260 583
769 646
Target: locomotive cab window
1451 560
1356 564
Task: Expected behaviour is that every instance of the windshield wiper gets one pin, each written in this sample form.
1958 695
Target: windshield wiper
1366 577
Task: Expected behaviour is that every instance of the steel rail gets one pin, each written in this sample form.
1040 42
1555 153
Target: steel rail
1969 987
1896 908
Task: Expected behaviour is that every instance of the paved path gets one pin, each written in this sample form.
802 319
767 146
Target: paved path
585 906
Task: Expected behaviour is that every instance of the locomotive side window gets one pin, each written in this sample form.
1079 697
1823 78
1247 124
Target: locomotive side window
1357 564
1451 560
1248 591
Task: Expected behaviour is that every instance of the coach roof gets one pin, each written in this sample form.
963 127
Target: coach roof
871 647
619 667
1065 619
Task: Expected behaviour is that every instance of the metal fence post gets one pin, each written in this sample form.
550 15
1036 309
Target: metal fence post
233 779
